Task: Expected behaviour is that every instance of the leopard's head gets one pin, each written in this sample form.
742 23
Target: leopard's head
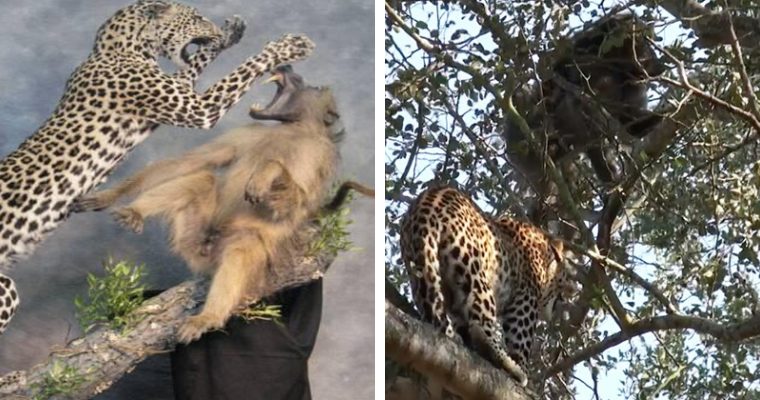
156 28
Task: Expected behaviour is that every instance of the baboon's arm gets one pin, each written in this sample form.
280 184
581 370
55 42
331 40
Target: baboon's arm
212 155
241 273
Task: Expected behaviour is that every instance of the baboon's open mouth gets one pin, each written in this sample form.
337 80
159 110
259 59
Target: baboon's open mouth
192 47
279 80
284 106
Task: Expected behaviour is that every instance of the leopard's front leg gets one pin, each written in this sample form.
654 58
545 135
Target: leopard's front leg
204 110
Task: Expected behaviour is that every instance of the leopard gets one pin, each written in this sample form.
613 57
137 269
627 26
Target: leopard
482 281
111 103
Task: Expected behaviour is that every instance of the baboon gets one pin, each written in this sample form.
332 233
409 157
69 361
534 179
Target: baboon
232 225
610 63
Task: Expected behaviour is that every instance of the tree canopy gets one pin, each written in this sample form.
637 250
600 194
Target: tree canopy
667 256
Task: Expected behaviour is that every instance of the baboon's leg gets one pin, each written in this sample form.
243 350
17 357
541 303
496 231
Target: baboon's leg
209 155
240 274
168 198
190 233
190 225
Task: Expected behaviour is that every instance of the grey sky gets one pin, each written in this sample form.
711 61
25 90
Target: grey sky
41 42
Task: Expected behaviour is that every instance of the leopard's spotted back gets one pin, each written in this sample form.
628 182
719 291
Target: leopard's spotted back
489 280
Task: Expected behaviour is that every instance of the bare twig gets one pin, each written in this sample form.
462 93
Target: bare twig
670 308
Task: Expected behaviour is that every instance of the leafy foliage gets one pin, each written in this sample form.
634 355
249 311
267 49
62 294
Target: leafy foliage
691 222
333 236
262 311
111 298
61 379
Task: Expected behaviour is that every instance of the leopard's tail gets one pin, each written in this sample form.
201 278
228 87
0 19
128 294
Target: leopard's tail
9 300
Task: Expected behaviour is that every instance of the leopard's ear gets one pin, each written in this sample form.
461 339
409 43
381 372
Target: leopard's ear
153 8
558 247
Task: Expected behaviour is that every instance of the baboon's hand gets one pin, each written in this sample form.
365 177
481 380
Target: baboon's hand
195 326
94 202
282 199
233 30
129 218
208 243
253 193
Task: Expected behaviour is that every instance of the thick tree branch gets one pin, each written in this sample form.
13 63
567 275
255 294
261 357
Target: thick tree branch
710 26
105 355
410 342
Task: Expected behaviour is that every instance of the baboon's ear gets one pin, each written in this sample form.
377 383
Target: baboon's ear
331 110
153 8
331 117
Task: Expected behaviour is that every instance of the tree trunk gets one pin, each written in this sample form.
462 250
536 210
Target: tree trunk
411 343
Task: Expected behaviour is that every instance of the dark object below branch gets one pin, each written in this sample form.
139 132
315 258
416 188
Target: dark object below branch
91 364
410 342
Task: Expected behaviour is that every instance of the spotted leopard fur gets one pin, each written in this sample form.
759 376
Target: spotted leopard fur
483 278
111 103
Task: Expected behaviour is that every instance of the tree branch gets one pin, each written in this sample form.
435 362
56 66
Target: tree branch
394 297
104 355
734 332
410 342
710 26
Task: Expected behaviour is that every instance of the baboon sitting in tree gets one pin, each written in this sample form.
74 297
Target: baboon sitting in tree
603 78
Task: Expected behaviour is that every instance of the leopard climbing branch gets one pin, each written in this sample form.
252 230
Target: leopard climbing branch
102 357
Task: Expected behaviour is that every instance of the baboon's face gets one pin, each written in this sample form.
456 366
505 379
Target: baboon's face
295 101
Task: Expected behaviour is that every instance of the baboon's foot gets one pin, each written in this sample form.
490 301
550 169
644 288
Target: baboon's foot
129 218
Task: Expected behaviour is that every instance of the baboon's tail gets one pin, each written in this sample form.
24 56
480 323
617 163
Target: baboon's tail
342 193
